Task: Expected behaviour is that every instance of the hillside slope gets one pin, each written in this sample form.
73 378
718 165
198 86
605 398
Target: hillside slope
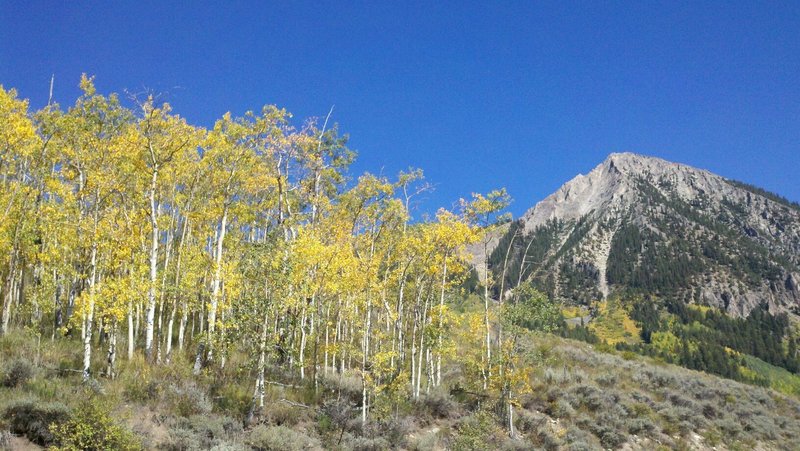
580 399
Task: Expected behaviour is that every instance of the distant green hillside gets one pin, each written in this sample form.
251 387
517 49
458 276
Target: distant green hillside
779 378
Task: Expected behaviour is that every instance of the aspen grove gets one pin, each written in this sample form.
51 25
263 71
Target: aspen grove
127 231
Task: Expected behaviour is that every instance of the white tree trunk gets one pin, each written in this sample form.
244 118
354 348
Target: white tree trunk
151 289
303 340
182 325
111 358
367 327
88 323
130 331
441 324
215 284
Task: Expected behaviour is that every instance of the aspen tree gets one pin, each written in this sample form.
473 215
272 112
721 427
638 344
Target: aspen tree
18 145
159 140
246 235
482 211
91 139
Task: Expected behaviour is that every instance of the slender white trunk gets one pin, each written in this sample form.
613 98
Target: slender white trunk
111 358
421 352
215 283
441 324
151 289
337 338
415 331
352 337
87 341
177 289
182 325
510 416
397 333
367 327
170 324
7 300
303 342
137 316
88 323
258 393
130 331
223 355
429 369
167 255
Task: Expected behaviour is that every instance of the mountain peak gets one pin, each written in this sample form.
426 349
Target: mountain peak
628 156
615 181
642 164
728 245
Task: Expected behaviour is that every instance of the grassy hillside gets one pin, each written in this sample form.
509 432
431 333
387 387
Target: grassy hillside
779 378
578 398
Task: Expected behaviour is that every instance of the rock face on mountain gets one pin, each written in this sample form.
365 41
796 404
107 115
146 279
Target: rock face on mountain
646 225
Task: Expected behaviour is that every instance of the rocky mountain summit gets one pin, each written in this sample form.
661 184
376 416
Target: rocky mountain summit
643 224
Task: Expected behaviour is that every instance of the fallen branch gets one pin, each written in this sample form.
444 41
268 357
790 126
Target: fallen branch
280 384
294 404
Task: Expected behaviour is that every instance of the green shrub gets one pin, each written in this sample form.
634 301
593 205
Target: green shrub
536 425
142 390
561 409
34 420
202 431
605 427
283 414
268 438
476 432
91 427
16 342
710 410
232 398
226 446
640 426
439 405
188 399
346 385
762 427
46 388
395 430
590 397
606 379
546 439
334 417
729 427
17 373
712 438
182 439
680 420
367 444
425 441
639 409
579 440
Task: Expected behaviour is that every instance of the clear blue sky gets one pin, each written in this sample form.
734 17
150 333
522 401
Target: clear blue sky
523 95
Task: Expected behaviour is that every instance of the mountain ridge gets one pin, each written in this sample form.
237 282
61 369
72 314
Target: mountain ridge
645 224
